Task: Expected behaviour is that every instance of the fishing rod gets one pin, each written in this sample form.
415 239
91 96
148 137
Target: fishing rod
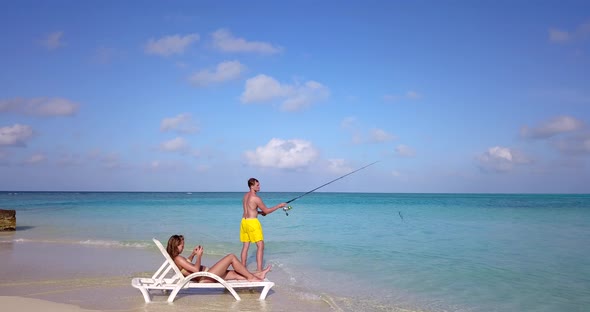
287 208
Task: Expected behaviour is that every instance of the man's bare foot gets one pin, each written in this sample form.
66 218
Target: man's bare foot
262 274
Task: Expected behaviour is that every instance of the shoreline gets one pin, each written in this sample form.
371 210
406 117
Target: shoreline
418 253
41 276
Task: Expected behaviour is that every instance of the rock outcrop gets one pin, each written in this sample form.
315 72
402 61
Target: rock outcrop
7 220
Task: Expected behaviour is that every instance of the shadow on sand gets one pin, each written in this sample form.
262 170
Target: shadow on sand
24 227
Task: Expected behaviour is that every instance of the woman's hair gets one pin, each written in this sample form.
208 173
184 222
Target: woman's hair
173 243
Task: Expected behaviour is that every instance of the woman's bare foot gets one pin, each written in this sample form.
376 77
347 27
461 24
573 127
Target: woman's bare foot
262 274
255 278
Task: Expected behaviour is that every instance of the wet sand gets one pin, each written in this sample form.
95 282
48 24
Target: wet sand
39 276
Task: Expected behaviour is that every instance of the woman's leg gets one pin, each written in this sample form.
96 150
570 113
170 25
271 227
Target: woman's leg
262 274
233 275
221 269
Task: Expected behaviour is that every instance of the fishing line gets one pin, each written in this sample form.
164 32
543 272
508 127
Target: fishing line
319 187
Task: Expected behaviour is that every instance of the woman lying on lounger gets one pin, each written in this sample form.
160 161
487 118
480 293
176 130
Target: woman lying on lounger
176 246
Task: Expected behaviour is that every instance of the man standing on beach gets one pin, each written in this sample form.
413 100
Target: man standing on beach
250 227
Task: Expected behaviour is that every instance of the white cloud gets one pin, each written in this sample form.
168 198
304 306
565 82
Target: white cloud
111 161
556 35
104 55
203 168
225 71
380 136
339 166
177 144
183 123
413 95
35 159
169 45
53 40
305 95
348 123
284 154
501 159
108 160
582 32
41 106
409 95
574 145
555 126
165 166
263 88
226 42
155 164
358 136
16 135
404 151
68 160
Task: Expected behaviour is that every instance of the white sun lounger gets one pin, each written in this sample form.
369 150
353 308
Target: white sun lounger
169 278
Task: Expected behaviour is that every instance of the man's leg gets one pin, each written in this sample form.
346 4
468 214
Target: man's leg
244 254
259 254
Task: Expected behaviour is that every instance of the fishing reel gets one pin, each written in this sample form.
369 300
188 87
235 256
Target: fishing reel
287 208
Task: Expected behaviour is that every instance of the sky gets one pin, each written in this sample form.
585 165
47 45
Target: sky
189 96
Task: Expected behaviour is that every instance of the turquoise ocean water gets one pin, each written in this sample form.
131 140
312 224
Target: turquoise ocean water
420 252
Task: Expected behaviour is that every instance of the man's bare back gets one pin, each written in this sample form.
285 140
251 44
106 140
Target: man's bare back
250 202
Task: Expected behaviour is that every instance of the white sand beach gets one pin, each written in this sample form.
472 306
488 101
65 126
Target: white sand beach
49 276
10 303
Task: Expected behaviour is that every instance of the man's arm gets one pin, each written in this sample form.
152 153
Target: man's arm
264 210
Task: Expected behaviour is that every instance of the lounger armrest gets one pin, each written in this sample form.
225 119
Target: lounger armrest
188 279
205 274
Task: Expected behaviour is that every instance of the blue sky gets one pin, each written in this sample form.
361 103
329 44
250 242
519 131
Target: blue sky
448 96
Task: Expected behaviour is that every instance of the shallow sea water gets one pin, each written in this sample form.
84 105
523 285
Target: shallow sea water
346 251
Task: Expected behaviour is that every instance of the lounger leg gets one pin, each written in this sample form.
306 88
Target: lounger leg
173 294
233 292
264 292
146 295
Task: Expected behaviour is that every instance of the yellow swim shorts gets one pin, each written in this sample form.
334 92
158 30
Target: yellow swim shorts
251 230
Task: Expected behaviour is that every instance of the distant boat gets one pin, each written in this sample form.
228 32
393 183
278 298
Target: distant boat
189 193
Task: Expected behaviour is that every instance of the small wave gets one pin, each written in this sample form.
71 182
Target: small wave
115 243
20 240
103 243
330 301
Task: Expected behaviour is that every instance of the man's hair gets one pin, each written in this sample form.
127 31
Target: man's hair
251 182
